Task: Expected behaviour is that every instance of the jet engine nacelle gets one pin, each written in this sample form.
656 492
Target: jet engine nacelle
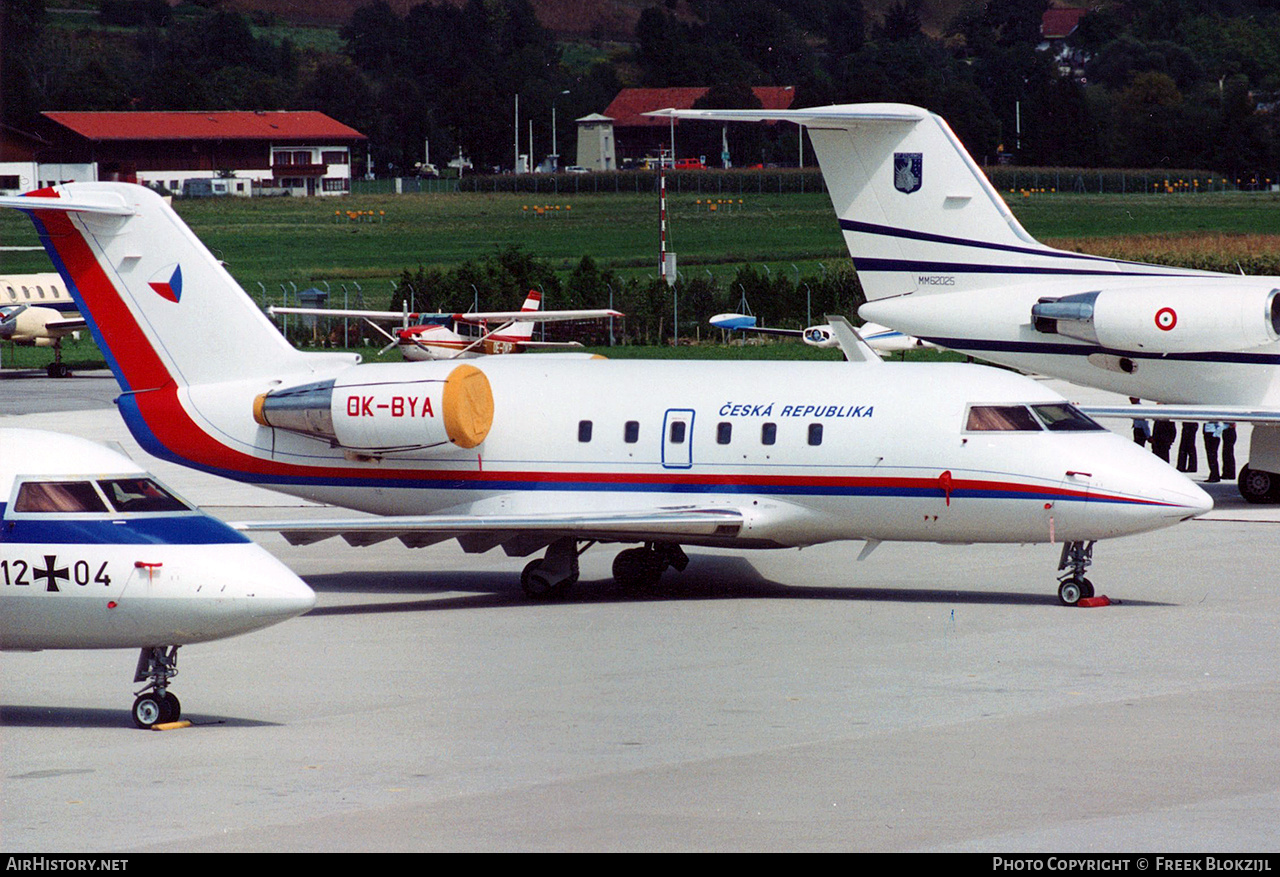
373 408
820 336
1162 320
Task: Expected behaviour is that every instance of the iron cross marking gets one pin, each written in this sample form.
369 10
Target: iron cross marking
50 574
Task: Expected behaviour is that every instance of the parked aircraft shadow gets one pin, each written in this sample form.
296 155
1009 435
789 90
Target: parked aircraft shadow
710 577
20 715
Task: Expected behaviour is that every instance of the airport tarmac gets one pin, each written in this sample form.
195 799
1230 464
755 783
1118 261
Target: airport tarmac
928 698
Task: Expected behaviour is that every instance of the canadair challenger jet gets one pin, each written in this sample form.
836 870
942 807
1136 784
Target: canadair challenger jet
557 453
941 257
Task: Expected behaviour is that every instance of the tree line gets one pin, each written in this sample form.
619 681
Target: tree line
1174 83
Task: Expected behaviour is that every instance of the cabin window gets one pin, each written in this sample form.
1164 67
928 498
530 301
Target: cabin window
815 434
724 433
140 495
677 432
58 496
13 296
1065 418
1001 418
768 433
631 432
584 430
40 291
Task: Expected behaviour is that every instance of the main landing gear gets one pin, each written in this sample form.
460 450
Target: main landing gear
156 705
639 569
57 368
635 569
1073 586
1258 485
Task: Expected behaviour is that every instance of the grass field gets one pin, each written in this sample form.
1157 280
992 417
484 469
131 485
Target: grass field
304 242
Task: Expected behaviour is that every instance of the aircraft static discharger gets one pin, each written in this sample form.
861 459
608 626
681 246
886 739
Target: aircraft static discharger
97 554
940 256
549 452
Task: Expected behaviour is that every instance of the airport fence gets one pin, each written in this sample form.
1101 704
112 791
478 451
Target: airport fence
1007 179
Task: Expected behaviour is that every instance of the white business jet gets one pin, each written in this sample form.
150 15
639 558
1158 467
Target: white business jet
96 554
37 310
941 257
881 339
560 453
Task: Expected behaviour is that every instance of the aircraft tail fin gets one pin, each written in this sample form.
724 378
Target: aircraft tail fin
917 213
161 307
524 328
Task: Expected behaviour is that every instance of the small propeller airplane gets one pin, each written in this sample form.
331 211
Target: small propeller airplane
575 451
881 339
95 553
429 336
37 310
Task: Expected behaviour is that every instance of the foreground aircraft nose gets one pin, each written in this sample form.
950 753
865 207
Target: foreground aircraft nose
278 594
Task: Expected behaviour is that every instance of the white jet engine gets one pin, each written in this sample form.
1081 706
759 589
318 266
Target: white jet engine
1192 319
375 409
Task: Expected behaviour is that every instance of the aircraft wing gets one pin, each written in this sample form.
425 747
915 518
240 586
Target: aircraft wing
379 316
534 316
550 343
66 326
518 534
1227 413
476 317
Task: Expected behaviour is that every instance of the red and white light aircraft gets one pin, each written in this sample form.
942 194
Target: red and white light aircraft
558 452
429 336
940 256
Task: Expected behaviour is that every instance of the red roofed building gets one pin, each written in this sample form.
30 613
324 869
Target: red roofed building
237 153
1056 27
637 135
1058 24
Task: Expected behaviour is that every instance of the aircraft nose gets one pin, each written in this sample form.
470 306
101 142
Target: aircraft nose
278 593
1166 495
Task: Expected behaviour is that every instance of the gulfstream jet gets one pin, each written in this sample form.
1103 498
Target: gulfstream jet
941 257
553 454
97 554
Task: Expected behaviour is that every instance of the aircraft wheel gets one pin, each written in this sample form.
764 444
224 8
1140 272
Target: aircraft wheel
637 569
1070 591
58 370
1257 485
172 708
534 581
148 710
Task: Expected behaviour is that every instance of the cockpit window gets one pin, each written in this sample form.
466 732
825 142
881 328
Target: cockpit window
1001 418
1065 418
58 496
140 495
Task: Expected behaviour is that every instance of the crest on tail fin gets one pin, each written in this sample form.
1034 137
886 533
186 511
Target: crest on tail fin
167 282
908 171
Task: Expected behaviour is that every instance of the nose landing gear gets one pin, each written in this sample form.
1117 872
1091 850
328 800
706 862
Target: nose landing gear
1073 586
156 705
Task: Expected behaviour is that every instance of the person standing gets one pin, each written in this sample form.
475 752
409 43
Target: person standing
1229 452
1141 428
1163 432
1213 430
1187 448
